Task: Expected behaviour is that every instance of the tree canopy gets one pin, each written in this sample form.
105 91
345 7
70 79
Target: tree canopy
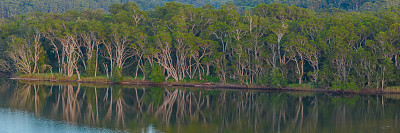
271 44
10 8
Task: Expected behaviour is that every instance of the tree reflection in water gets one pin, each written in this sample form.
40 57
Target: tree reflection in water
198 110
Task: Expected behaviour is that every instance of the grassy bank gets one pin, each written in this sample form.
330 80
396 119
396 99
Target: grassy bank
209 83
307 86
59 77
195 83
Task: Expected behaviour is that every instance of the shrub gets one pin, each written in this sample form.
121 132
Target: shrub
277 79
211 79
156 73
351 86
117 75
336 85
91 66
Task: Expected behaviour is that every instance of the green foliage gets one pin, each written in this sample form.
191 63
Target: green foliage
272 44
48 76
277 79
42 59
14 7
338 85
91 66
307 86
351 86
323 5
211 79
117 74
157 73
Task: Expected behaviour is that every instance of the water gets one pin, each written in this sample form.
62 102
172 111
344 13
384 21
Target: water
45 107
14 121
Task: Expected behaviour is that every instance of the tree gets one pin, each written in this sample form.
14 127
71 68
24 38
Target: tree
312 56
26 53
297 53
272 44
21 54
386 74
121 43
163 53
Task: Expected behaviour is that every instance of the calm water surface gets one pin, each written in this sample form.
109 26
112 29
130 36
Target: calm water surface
45 107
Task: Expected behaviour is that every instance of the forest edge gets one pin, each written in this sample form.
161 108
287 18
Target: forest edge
208 85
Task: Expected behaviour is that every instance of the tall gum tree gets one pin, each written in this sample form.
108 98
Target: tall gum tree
163 54
296 50
20 54
26 52
258 28
121 41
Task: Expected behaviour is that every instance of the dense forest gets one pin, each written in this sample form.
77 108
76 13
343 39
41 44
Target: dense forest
16 7
272 45
322 5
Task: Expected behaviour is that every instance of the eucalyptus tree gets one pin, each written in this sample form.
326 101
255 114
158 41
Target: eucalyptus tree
163 54
312 27
140 47
386 51
240 61
91 43
297 52
70 49
181 43
133 10
201 51
63 37
178 41
366 65
312 56
393 39
121 46
258 28
27 53
341 39
220 29
20 54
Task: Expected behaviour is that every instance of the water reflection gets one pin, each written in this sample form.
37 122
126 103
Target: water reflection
152 109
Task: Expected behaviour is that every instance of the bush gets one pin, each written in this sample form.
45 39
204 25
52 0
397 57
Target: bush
306 86
156 73
277 79
91 66
338 85
351 86
211 79
117 75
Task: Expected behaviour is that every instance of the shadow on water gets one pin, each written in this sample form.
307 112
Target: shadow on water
141 108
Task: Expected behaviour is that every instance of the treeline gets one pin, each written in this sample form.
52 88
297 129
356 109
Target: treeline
271 45
321 5
10 8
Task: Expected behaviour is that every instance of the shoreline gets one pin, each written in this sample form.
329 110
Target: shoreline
214 86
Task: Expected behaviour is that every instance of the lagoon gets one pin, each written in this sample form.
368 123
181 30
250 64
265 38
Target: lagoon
71 107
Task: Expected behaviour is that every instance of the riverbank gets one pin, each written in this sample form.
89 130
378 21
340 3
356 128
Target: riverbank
101 80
